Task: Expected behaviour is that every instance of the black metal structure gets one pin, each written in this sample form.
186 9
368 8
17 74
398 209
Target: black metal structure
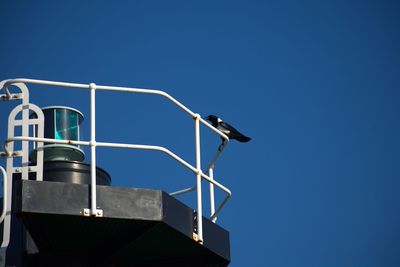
140 227
51 224
74 172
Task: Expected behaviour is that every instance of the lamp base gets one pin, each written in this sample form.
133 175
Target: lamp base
59 152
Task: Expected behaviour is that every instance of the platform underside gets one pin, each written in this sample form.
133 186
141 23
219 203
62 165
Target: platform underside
139 227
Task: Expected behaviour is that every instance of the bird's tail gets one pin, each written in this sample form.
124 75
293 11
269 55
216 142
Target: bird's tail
243 138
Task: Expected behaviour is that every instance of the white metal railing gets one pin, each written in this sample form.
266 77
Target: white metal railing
3 212
93 144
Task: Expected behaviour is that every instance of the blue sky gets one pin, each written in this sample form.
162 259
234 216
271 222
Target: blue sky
314 83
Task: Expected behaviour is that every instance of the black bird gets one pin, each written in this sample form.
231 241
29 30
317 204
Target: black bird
227 129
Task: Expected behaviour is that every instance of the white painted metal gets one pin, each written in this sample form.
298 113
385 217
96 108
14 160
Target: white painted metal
37 139
115 88
5 196
24 108
39 145
25 123
93 144
198 179
217 184
131 146
30 122
10 168
3 86
210 171
183 191
117 145
10 153
5 219
212 199
147 147
13 122
214 216
25 144
43 82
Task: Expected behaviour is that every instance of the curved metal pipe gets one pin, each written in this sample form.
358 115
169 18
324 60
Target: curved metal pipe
115 88
4 84
117 145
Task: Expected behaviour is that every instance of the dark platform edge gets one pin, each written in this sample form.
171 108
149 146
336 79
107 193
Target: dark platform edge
145 208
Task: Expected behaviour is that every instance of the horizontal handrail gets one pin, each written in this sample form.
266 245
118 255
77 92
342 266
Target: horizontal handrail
218 210
149 147
116 145
210 165
93 143
36 139
183 191
115 88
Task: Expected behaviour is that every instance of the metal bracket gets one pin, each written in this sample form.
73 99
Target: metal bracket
88 213
85 212
17 170
98 213
197 239
11 97
195 235
13 154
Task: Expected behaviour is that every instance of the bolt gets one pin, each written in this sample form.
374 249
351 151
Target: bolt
195 237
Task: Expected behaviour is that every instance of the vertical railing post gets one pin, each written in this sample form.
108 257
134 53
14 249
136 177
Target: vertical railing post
199 178
212 200
5 195
92 143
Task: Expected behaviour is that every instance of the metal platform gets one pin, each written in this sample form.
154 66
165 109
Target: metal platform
63 224
139 227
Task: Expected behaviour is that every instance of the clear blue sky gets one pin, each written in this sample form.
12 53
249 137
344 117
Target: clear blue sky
316 84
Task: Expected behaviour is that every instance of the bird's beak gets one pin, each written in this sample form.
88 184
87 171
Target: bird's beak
207 118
